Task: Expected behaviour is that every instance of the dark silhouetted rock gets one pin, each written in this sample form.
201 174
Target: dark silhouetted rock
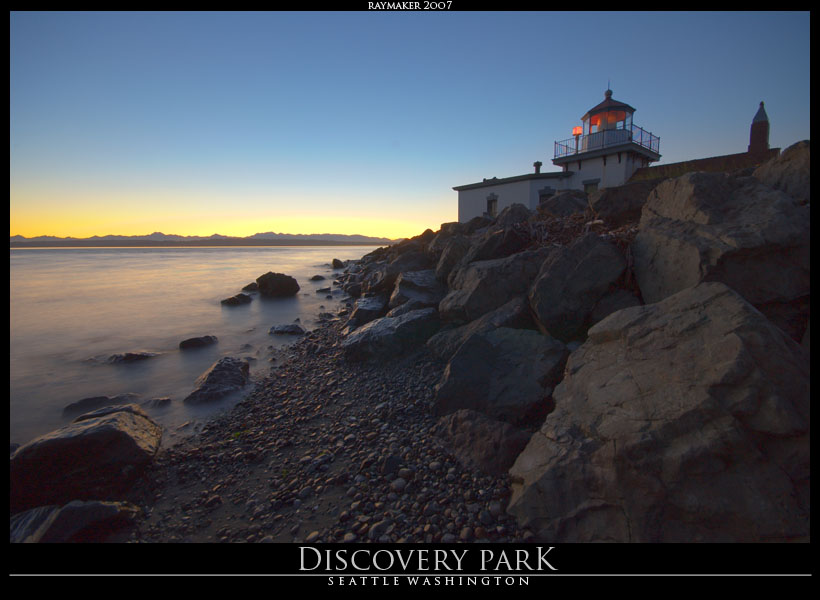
87 460
623 204
87 404
225 376
337 264
565 203
237 300
77 521
277 285
365 310
129 357
419 287
289 329
198 342
251 287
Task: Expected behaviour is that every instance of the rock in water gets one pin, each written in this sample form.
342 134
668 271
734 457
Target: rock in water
226 375
289 329
86 404
237 300
337 264
89 459
681 421
277 285
198 342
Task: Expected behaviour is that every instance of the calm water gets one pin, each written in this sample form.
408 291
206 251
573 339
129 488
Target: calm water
73 308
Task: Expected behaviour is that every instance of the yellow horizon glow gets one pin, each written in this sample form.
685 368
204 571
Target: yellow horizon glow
76 214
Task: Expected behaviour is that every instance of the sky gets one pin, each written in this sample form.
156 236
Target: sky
359 122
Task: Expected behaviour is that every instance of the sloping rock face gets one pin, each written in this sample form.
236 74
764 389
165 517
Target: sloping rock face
714 227
515 314
389 337
89 459
564 204
623 204
198 342
507 374
451 255
277 285
226 375
366 310
681 421
419 287
485 285
571 281
479 441
515 213
789 172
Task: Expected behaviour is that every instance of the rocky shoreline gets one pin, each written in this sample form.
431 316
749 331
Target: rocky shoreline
324 451
572 374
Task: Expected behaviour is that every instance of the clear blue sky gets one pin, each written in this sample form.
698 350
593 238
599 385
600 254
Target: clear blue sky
359 122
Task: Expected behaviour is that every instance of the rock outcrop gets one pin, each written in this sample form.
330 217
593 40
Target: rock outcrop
790 172
77 521
198 342
681 421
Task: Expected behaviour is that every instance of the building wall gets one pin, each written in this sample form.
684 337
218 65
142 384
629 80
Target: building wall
728 162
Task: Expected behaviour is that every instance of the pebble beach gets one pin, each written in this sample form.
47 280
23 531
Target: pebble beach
324 450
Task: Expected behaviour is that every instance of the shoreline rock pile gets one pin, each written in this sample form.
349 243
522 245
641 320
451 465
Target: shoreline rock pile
628 366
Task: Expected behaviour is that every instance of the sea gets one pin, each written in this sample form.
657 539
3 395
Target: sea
71 309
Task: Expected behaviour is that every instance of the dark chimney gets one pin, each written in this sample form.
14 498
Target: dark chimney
537 164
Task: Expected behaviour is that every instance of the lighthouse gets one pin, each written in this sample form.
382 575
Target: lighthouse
604 151
607 148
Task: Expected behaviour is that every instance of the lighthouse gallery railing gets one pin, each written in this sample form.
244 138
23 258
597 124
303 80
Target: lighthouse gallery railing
607 138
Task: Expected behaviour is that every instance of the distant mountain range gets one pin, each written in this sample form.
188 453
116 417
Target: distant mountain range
157 238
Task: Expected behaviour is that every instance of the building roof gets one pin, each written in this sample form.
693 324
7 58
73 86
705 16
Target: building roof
497 181
606 105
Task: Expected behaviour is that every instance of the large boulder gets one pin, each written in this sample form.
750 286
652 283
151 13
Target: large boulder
86 404
277 285
485 285
623 204
365 310
682 421
514 314
789 172
92 458
496 243
380 278
714 227
77 521
419 287
571 282
225 376
478 441
512 214
564 204
452 253
506 374
390 337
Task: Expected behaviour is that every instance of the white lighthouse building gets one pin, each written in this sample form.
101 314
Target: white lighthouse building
604 152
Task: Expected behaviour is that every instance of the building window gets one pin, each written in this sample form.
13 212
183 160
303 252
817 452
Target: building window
492 205
591 185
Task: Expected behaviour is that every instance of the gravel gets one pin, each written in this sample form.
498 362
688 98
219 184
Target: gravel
324 450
